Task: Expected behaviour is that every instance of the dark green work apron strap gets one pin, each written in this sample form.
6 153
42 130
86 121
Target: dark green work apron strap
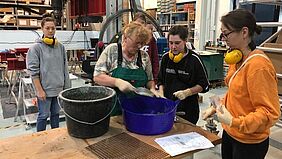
139 58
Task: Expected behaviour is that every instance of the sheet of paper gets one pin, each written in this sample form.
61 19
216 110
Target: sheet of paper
181 143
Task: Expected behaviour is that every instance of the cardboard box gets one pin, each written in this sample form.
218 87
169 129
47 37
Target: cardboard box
12 21
20 12
33 22
39 23
192 16
6 11
36 1
96 26
23 22
30 1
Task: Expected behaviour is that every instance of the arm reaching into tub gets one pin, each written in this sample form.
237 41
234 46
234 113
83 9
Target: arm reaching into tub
106 80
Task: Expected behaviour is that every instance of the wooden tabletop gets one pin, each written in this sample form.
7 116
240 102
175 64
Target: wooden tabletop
216 48
57 143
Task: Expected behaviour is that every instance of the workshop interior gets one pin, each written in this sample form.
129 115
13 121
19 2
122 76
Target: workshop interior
149 126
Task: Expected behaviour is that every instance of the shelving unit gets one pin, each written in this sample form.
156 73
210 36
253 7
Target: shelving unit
272 2
168 20
26 14
181 14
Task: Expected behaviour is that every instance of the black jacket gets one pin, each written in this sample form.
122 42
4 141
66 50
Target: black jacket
189 72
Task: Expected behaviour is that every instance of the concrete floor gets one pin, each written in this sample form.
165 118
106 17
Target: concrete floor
9 128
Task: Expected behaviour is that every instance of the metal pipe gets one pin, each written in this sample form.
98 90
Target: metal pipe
279 75
269 24
269 49
272 37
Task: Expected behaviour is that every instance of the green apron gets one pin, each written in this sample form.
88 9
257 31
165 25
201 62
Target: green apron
136 77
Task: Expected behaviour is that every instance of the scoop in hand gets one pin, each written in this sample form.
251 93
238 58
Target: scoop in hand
144 92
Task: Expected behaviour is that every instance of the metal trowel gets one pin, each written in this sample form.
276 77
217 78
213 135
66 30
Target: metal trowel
144 92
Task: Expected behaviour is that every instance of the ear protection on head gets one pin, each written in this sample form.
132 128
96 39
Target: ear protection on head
233 56
175 58
50 41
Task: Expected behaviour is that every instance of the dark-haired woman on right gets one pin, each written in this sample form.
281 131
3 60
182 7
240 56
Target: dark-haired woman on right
251 104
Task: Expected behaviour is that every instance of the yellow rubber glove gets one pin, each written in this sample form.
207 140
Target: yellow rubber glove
208 112
224 115
183 94
123 85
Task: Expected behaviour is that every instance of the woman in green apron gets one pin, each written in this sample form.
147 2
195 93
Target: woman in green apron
124 66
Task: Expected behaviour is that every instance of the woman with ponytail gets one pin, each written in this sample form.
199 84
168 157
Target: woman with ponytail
48 67
251 105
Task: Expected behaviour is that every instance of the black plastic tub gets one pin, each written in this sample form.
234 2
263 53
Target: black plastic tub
87 110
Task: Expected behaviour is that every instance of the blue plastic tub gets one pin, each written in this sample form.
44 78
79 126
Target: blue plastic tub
148 115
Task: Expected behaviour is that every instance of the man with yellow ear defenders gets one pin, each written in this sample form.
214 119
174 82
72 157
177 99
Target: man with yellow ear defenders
182 74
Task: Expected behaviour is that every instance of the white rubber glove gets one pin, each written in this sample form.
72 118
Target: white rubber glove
224 115
123 85
157 93
208 112
161 93
183 94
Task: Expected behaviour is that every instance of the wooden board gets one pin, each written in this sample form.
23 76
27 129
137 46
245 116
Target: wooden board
276 59
279 38
57 143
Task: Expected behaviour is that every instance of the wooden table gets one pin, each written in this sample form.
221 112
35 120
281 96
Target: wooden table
57 143
223 49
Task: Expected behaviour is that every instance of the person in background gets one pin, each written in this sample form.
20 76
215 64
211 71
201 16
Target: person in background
182 74
123 65
251 104
48 68
151 47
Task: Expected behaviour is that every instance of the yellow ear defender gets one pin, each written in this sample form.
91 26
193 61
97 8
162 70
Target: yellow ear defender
233 56
50 41
175 58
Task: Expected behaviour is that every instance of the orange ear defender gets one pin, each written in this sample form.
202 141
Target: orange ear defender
175 58
233 56
50 41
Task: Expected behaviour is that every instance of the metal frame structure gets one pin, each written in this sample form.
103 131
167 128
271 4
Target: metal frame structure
273 2
113 18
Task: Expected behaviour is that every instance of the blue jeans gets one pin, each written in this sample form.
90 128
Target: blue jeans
49 107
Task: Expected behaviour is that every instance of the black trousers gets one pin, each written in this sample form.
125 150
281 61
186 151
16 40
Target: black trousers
191 113
233 149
